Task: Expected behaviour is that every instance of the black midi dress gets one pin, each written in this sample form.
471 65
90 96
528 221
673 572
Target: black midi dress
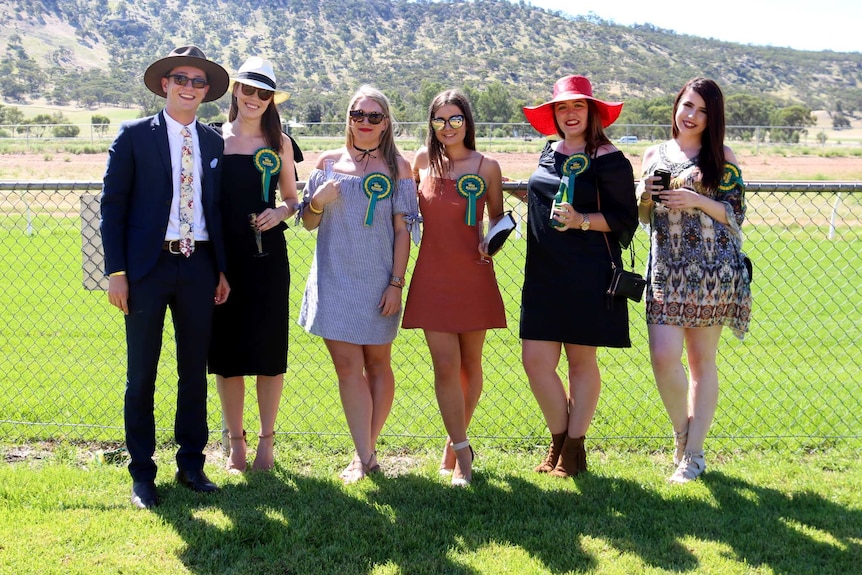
567 273
250 329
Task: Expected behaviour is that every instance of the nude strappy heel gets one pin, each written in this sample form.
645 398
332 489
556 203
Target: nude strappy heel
236 469
268 466
463 481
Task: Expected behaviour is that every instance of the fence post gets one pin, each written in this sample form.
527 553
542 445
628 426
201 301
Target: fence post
28 212
834 215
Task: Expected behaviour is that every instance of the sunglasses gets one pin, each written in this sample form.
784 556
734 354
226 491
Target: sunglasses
455 122
181 80
248 90
360 115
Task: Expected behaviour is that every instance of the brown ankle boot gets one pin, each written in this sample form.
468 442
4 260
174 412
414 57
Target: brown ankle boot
546 466
573 458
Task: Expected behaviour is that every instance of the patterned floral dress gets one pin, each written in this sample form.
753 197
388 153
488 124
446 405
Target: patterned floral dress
696 276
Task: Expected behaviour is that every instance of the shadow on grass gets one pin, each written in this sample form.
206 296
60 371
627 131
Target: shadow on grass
289 523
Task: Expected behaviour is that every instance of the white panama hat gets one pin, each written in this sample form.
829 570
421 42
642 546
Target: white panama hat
258 72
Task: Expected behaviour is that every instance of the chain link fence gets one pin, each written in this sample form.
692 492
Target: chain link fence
792 384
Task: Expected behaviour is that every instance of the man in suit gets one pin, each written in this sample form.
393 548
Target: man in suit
161 230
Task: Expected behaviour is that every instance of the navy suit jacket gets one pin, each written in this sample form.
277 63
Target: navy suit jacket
137 191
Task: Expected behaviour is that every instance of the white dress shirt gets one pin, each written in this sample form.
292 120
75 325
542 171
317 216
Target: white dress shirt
175 141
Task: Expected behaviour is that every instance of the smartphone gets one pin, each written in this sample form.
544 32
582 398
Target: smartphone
665 182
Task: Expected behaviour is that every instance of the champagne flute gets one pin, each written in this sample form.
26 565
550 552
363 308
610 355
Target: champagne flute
252 221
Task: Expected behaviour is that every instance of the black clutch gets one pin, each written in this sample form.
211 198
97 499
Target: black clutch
497 235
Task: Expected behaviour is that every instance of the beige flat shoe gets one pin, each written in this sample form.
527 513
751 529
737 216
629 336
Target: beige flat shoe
690 468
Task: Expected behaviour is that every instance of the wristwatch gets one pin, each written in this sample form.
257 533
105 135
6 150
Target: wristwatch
585 224
396 281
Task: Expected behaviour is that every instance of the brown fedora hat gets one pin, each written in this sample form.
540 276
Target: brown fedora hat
187 56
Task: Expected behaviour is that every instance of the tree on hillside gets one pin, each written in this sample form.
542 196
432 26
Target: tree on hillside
10 115
790 123
210 112
840 121
20 75
100 123
36 125
494 104
746 110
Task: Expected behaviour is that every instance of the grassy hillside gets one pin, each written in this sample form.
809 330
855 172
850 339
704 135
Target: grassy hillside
323 49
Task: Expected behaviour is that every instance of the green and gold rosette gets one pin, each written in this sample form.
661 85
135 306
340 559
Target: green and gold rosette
376 186
731 178
574 165
268 163
472 187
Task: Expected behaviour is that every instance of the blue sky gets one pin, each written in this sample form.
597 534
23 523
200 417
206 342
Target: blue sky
804 25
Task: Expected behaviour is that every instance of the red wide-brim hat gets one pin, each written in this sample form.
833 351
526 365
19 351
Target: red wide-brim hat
570 88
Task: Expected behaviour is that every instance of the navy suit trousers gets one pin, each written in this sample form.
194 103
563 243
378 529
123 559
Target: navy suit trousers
187 287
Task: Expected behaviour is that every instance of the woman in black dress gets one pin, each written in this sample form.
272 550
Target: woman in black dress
571 242
250 335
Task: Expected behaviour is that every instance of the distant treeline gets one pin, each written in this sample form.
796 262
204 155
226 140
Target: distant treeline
503 54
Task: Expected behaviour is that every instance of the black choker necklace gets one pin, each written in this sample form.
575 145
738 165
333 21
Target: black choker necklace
365 154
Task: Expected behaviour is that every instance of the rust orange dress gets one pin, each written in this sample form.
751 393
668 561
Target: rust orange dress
449 291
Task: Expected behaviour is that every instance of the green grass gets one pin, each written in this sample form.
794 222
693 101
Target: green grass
791 384
759 513
781 494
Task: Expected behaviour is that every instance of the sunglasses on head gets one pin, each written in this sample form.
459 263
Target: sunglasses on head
181 80
360 115
249 90
455 122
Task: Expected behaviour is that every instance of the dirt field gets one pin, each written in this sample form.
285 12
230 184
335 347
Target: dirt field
516 166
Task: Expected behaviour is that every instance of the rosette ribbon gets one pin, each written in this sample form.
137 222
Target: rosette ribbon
574 165
268 163
376 186
472 187
731 178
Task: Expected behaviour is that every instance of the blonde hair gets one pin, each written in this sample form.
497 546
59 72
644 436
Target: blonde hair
389 152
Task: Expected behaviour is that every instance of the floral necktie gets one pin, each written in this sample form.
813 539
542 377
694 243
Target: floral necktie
187 198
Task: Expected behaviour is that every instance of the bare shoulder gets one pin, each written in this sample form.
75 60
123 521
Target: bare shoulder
490 168
334 155
606 149
729 156
650 153
404 169
420 159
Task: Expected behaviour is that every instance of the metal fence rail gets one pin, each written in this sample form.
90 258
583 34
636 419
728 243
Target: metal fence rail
793 383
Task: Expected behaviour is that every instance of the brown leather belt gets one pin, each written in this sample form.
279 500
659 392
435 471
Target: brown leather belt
173 246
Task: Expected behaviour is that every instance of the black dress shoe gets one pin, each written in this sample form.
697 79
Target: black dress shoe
196 481
144 494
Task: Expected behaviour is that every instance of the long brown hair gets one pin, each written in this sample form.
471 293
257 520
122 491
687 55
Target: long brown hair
711 159
388 149
595 132
270 121
436 150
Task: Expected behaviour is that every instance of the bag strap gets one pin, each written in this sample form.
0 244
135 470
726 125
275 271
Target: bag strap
605 234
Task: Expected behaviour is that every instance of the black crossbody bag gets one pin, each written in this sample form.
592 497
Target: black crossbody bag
626 284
